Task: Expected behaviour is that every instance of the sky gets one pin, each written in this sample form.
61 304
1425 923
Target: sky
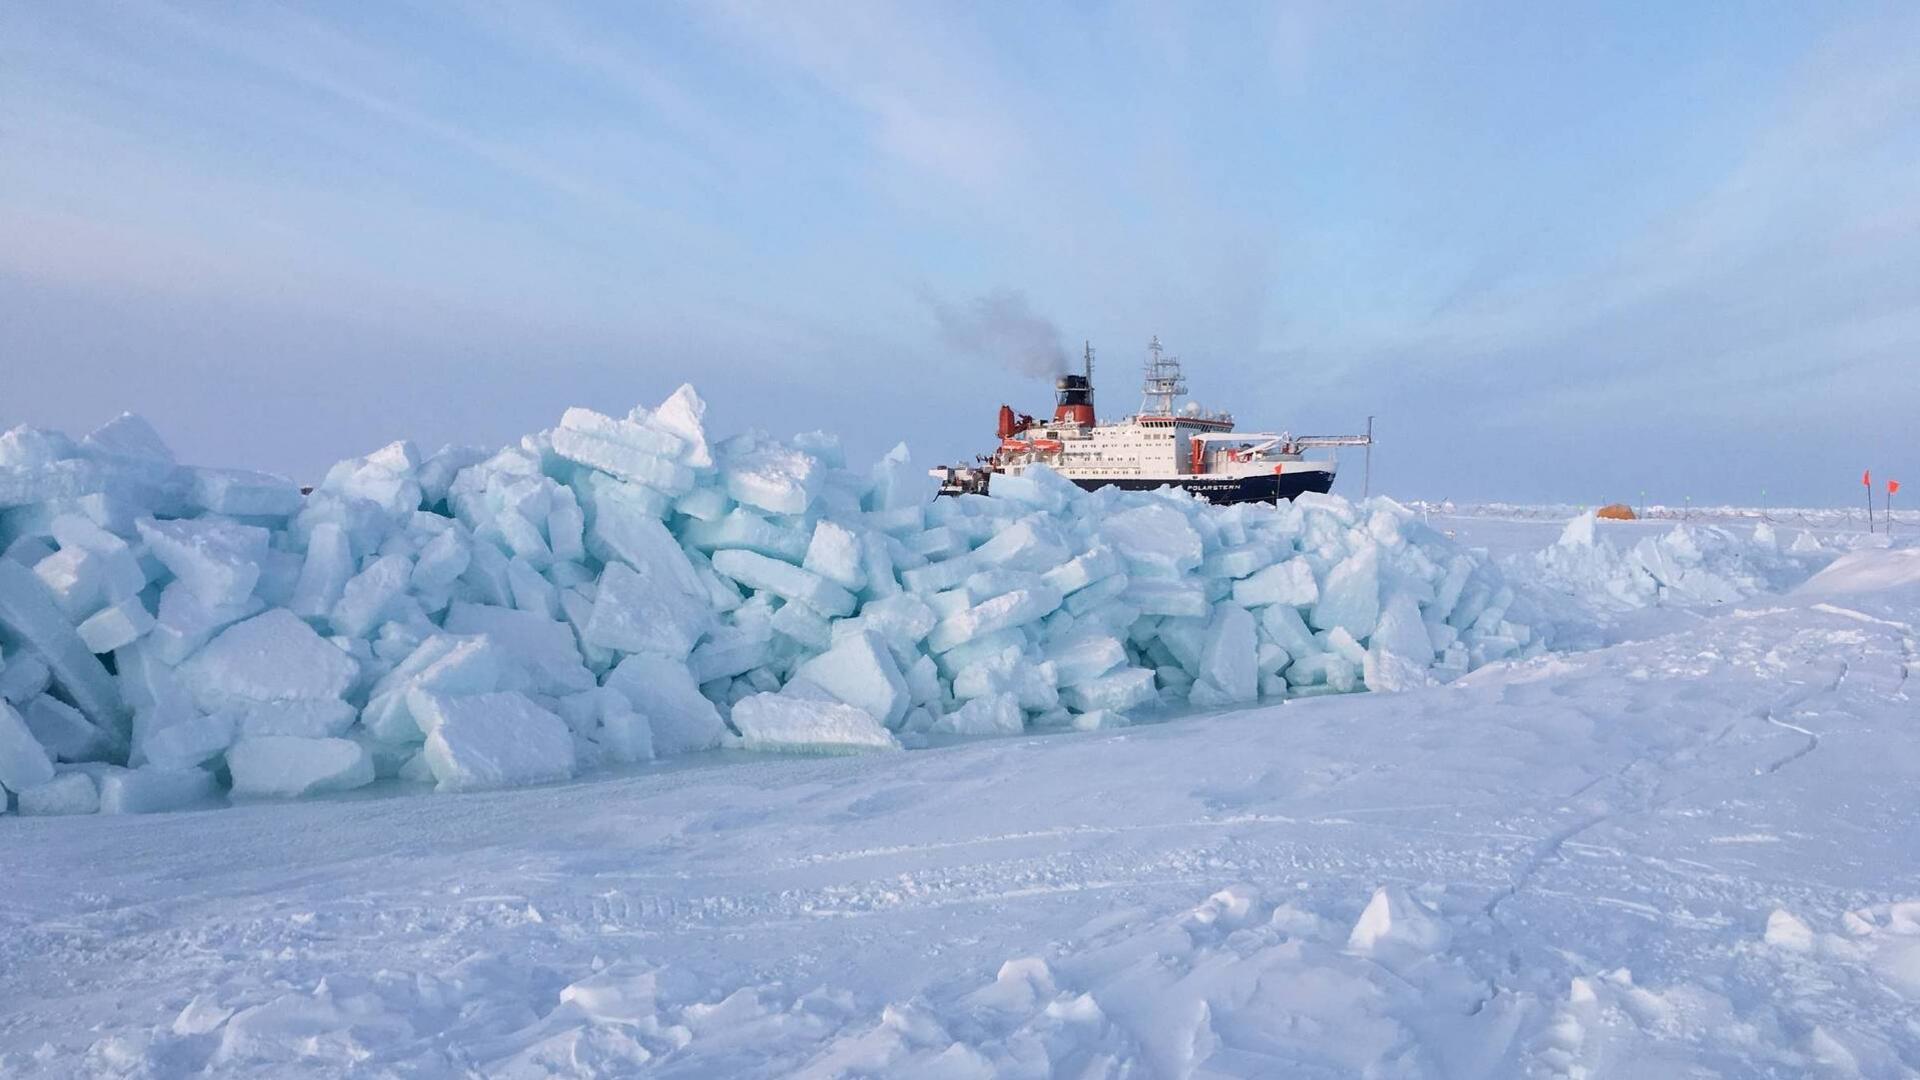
1569 252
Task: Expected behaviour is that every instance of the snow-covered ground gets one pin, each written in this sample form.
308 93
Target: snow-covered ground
1687 845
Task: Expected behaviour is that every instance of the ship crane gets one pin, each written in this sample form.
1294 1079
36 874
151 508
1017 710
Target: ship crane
1287 443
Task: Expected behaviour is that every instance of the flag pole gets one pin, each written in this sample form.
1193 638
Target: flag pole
1866 481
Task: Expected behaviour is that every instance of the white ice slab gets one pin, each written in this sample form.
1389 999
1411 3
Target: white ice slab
289 766
795 724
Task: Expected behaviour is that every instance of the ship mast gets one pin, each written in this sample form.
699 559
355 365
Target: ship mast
1087 358
1164 381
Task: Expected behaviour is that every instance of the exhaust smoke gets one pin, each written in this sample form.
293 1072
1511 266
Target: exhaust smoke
1001 326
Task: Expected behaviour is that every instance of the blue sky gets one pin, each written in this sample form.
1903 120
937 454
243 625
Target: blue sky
1563 251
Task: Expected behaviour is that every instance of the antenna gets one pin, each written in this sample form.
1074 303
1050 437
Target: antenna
1164 381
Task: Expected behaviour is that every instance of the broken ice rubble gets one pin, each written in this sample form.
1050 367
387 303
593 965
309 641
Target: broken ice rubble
1695 565
625 587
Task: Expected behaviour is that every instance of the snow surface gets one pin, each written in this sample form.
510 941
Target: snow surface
1689 852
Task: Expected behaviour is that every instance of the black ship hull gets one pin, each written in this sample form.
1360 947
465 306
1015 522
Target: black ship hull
1221 490
1224 490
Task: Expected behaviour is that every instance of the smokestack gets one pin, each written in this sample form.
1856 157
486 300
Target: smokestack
1073 400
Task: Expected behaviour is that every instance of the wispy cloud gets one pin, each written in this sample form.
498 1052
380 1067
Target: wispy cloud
926 86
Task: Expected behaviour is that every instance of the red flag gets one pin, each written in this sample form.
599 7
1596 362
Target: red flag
1893 486
1866 478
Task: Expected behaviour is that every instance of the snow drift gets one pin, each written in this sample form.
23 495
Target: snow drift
623 587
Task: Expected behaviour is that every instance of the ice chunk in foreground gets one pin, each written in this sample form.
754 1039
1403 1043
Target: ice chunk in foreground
288 766
440 563
112 627
544 646
1289 582
270 657
1008 610
993 714
62 730
624 531
1396 922
622 448
122 575
662 690
385 477
1229 673
861 672
324 574
1155 538
1785 930
784 580
24 676
1085 657
75 577
154 791
23 763
219 561
1038 487
1084 569
787 722
772 477
127 438
68 793
834 554
803 625
314 719
243 493
624 734
1579 532
493 740
447 663
186 741
368 595
1400 651
684 414
1029 544
1116 691
28 616
187 622
1351 597
902 620
646 610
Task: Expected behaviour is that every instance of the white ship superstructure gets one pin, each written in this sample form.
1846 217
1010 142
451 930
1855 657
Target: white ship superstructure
1165 443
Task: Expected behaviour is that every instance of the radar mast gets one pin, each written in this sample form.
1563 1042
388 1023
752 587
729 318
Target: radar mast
1164 381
